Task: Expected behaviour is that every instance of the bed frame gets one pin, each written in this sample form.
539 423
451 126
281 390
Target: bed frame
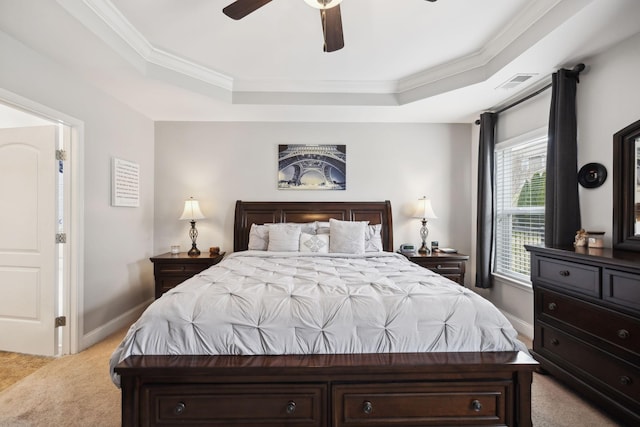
347 390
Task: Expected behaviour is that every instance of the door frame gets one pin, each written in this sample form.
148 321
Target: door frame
73 293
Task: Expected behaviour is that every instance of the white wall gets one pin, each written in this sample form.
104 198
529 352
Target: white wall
222 162
117 241
219 163
607 101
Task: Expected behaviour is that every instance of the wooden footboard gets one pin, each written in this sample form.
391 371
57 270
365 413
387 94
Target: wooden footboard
400 389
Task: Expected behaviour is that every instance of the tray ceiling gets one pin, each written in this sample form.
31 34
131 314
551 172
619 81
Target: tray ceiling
403 61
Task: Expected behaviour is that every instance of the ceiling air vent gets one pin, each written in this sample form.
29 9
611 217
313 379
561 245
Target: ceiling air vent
515 81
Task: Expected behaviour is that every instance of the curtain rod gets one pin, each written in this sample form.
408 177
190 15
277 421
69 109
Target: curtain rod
575 72
521 100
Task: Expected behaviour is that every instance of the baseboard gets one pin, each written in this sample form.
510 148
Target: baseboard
122 321
520 325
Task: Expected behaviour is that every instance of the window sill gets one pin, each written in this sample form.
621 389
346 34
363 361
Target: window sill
525 285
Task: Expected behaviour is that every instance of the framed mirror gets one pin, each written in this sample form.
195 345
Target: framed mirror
626 188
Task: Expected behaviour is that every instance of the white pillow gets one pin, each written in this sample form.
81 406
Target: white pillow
346 236
258 237
373 238
322 227
284 237
318 243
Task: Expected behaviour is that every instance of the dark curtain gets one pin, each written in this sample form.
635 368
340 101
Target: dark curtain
486 204
562 204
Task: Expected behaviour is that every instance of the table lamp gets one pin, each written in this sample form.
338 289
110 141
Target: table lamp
191 213
424 211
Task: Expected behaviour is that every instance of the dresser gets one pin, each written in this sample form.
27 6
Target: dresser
170 269
451 266
587 324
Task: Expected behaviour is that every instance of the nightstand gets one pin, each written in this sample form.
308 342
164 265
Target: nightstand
451 266
172 269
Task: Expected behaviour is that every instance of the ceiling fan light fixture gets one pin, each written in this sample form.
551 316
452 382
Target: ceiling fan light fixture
323 4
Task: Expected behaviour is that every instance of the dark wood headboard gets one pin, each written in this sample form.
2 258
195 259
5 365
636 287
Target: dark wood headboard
248 213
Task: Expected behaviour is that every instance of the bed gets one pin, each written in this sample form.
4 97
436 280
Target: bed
368 353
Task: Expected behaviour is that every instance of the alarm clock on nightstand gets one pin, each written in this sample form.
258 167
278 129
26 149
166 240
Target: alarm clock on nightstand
407 249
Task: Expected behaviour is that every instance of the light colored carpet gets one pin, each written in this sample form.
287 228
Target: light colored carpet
77 391
70 391
16 366
553 405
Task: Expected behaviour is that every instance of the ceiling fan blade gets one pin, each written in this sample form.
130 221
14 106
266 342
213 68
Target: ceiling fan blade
241 8
332 29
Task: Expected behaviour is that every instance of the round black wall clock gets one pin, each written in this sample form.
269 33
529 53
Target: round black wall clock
592 175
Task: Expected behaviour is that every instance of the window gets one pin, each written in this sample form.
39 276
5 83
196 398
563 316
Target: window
520 192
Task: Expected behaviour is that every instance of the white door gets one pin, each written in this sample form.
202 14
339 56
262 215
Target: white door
27 239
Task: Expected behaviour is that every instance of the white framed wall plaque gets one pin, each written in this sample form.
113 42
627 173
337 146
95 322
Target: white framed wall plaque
125 183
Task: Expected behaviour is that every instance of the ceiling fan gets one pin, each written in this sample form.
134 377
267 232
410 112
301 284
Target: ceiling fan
329 15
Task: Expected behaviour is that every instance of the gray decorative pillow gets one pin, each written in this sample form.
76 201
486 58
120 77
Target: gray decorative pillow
284 237
322 227
373 238
346 236
258 237
318 243
309 227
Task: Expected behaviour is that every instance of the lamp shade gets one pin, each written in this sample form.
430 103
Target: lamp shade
424 209
323 4
191 210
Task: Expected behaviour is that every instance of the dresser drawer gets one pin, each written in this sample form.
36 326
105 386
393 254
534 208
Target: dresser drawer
622 289
166 283
617 329
421 404
237 405
452 270
589 362
451 266
446 267
179 268
583 279
172 269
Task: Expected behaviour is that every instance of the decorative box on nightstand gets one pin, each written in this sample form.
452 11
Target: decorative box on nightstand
172 269
451 266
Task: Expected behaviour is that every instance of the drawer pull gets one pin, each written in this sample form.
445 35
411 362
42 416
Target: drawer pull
173 270
444 267
367 407
623 334
625 380
180 408
565 273
476 405
555 341
291 407
552 306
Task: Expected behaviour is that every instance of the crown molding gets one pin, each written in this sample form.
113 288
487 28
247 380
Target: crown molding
537 20
316 86
113 28
521 25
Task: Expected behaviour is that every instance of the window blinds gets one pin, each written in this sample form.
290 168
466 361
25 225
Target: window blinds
520 189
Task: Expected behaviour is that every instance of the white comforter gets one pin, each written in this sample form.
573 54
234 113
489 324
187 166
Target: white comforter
291 303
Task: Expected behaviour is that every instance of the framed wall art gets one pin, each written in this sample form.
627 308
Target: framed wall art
125 183
312 167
